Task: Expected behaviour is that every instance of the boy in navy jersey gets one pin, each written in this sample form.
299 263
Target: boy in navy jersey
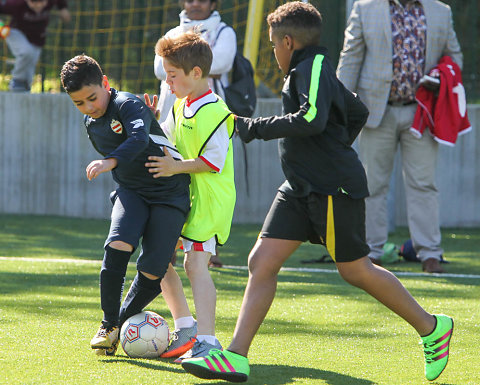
125 132
322 199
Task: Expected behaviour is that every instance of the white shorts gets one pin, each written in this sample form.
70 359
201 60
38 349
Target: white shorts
208 246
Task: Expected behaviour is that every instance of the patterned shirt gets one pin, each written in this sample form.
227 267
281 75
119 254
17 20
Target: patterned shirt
409 36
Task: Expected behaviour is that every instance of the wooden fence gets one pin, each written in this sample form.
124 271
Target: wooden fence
44 151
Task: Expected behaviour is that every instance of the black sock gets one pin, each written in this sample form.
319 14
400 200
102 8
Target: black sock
112 276
141 293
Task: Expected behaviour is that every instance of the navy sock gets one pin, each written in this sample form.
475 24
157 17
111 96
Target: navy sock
112 276
141 293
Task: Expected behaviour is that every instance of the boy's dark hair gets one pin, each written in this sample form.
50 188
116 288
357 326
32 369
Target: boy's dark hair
80 71
300 20
186 51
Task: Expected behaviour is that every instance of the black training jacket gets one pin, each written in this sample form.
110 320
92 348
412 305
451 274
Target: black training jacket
319 123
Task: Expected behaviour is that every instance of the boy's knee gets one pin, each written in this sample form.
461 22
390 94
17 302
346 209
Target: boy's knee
115 260
151 277
352 273
259 265
120 245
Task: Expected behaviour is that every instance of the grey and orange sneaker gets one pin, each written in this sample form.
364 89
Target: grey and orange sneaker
182 340
218 364
199 349
436 347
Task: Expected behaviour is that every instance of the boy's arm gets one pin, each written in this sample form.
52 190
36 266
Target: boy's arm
311 118
357 114
97 167
167 166
212 158
136 119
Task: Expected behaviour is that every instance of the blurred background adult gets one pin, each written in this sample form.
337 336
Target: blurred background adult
201 14
389 46
28 29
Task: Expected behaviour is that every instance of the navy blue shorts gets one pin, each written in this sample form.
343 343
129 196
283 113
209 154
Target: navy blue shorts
160 226
335 221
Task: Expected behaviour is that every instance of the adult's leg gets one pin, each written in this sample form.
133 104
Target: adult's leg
264 263
26 58
377 148
386 288
419 160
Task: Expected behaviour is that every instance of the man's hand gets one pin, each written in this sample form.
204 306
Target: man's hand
64 14
431 83
98 167
162 165
152 105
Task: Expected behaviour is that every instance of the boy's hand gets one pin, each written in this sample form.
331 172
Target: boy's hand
162 165
152 105
98 167
243 129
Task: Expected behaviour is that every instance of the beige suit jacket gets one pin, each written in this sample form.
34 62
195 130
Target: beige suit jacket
365 64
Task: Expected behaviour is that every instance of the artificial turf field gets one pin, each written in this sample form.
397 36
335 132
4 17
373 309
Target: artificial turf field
319 330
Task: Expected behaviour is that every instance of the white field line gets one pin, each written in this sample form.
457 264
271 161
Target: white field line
231 267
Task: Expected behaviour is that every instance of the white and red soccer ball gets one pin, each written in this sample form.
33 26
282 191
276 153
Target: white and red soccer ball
145 335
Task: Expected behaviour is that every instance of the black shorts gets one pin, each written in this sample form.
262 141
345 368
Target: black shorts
335 221
160 226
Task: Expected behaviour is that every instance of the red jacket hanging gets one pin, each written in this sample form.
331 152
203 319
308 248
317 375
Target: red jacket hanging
444 114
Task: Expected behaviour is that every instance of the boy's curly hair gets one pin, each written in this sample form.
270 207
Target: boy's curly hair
300 20
186 51
79 71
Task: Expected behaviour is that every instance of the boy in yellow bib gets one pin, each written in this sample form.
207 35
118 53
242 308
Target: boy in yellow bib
201 126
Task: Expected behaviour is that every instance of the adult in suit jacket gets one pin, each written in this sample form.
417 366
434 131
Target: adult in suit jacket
366 66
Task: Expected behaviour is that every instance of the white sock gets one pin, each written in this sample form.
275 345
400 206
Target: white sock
208 339
184 322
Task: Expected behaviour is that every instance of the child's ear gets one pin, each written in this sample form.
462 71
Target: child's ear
105 83
197 72
289 42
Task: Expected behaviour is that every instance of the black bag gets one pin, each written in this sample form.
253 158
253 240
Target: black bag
240 94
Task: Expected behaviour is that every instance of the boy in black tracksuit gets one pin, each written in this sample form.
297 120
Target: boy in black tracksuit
322 199
124 130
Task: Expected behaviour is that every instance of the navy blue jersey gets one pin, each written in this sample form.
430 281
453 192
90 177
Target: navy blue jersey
129 132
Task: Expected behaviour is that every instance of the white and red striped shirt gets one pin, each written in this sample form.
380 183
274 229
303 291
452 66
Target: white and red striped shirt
444 114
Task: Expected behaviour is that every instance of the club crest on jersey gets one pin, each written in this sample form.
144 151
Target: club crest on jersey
116 126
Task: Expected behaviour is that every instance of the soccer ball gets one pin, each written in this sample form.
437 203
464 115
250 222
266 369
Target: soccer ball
144 335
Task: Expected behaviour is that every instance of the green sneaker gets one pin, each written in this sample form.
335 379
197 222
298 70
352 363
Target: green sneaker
436 347
218 364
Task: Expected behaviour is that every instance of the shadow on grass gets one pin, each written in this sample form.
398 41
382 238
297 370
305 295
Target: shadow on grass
261 374
286 374
153 364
